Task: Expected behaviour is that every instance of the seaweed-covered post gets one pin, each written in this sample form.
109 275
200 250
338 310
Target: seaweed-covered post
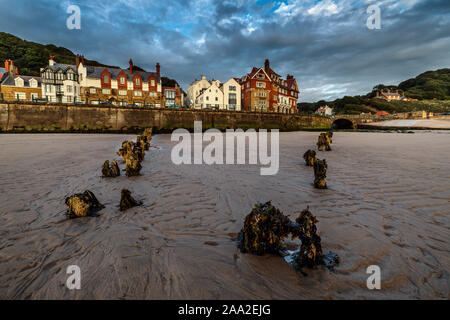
126 149
320 173
324 142
110 171
82 205
309 157
127 201
264 230
330 137
143 142
310 253
134 166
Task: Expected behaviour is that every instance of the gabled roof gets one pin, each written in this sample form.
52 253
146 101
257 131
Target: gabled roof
256 71
61 66
9 80
95 73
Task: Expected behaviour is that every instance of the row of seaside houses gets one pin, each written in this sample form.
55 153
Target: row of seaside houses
262 89
82 83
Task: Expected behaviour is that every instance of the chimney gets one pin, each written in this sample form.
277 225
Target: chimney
378 94
11 68
389 91
82 60
7 65
266 65
17 71
203 77
77 60
51 62
158 68
131 66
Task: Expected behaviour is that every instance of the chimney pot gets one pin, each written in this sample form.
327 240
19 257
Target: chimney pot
158 68
131 66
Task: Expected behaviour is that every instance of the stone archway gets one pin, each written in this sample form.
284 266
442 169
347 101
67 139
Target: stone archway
342 124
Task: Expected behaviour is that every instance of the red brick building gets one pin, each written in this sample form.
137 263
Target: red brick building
265 90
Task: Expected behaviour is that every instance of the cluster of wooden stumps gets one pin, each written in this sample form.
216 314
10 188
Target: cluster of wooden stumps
320 166
266 227
133 153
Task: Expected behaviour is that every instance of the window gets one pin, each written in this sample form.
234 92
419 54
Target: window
33 83
69 89
34 96
18 82
260 84
48 88
122 92
138 93
152 82
81 77
217 99
21 95
122 80
207 98
138 81
261 76
106 91
153 94
232 98
248 84
105 79
232 88
92 90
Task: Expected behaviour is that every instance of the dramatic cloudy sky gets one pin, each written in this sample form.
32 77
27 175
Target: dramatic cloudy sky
325 44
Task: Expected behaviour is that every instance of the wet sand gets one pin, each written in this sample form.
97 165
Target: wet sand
387 204
418 123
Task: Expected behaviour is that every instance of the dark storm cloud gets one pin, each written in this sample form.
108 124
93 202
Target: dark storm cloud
328 47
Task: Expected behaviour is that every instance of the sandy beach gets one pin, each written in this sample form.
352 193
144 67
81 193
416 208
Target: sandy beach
415 123
387 205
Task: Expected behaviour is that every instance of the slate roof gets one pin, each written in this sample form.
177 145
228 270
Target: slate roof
63 67
9 80
95 72
2 70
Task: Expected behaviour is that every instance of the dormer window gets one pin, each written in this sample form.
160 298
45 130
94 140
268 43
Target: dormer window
18 82
33 83
138 81
122 80
105 79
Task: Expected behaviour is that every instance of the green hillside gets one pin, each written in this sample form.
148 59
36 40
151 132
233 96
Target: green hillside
431 88
31 56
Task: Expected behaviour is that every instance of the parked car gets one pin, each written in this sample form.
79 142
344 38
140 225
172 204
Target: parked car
40 100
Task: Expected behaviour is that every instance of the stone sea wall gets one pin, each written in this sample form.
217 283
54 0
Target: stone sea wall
35 117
